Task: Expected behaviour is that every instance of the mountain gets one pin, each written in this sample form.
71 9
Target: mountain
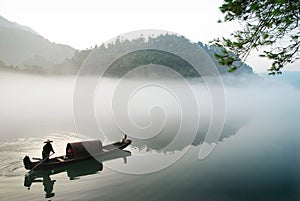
22 46
23 49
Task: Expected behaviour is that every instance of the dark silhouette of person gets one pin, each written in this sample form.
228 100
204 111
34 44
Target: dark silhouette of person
47 149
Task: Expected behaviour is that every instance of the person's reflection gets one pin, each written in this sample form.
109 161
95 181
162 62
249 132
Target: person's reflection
48 186
47 183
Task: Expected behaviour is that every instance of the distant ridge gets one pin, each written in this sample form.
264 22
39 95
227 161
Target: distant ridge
7 24
21 45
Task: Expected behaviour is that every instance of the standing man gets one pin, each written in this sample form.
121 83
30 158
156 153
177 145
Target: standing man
47 149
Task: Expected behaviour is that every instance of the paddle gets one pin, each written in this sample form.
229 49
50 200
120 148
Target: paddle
38 159
39 163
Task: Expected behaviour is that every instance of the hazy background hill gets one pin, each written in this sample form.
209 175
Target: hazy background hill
22 46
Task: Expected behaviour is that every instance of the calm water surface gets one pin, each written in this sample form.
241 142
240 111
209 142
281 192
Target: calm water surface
240 168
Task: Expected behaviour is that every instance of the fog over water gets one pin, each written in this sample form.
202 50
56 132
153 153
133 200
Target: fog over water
256 157
35 105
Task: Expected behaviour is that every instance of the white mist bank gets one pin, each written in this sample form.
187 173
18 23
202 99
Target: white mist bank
34 105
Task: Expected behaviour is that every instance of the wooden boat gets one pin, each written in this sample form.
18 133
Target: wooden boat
74 171
80 151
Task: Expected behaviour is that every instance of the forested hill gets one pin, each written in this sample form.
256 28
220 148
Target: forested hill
151 56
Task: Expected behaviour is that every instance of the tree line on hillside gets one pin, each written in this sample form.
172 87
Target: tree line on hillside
135 59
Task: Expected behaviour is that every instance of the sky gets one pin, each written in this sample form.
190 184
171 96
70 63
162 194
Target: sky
82 24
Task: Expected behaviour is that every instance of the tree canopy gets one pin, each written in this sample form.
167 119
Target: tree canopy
265 23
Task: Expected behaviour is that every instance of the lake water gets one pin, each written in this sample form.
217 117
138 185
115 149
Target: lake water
256 157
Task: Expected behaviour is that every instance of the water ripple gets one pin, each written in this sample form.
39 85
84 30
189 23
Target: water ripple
13 151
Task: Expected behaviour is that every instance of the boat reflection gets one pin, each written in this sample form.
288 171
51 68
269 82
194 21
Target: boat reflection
74 171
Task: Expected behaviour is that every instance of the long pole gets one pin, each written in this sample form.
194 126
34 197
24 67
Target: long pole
39 163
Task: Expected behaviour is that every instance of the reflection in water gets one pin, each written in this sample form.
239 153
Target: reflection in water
74 171
48 186
86 168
